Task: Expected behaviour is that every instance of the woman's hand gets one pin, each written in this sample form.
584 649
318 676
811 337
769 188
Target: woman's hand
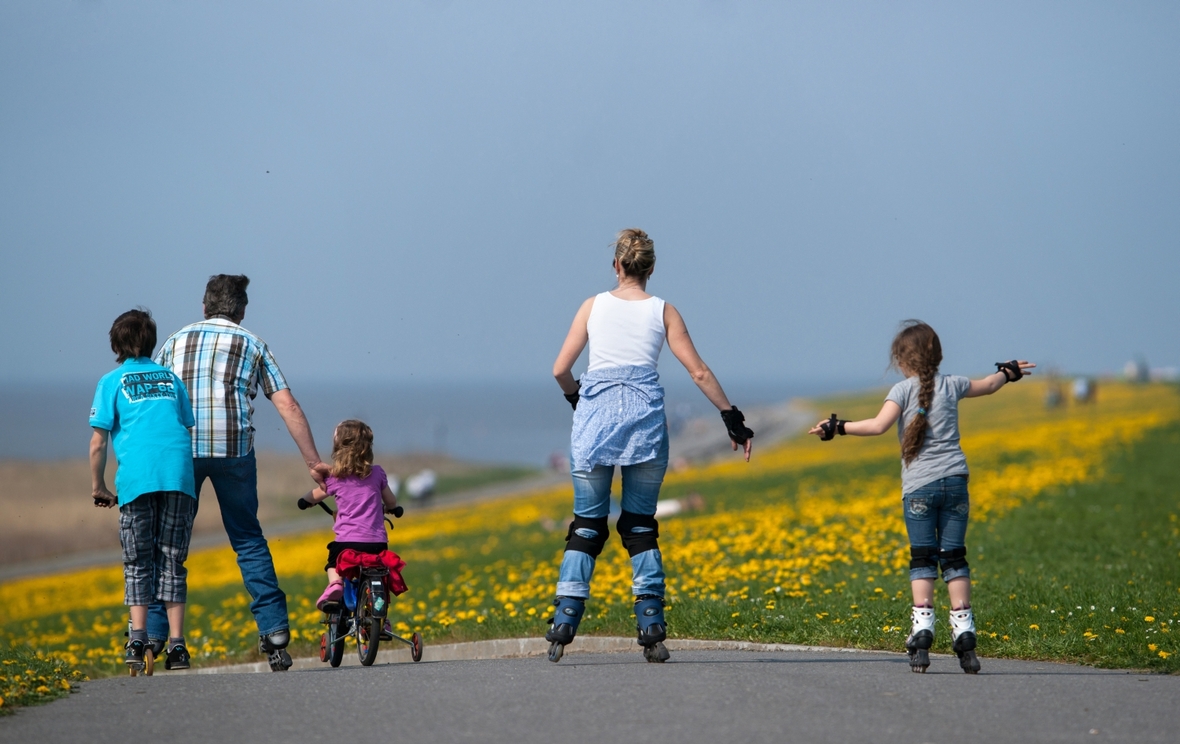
748 447
818 429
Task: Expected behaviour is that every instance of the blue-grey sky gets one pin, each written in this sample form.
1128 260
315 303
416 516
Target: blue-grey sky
428 190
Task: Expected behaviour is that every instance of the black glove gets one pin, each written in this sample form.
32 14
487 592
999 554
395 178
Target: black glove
1010 369
573 398
304 504
831 428
734 424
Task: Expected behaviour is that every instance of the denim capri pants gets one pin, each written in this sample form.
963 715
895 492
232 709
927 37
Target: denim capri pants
936 516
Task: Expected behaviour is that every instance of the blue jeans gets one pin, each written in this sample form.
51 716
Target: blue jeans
936 516
641 490
235 480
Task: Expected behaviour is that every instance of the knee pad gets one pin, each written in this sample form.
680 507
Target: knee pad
924 557
640 532
955 559
587 535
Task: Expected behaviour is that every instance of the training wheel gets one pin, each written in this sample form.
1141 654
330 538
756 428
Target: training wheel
416 647
323 646
149 662
555 651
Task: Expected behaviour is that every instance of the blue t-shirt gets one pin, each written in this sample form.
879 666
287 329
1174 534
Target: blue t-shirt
147 410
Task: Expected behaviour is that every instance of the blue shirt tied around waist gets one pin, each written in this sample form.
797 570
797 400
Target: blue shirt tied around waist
619 419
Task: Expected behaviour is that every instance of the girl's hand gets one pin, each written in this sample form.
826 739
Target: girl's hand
818 429
1025 367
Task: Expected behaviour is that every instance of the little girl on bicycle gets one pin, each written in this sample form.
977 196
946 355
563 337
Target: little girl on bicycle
362 494
933 480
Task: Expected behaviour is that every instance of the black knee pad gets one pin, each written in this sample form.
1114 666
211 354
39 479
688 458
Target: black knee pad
587 535
953 559
926 557
640 532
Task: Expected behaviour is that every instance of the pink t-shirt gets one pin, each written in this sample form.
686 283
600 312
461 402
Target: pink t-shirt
360 513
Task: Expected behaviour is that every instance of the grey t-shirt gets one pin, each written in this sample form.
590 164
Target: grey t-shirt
940 455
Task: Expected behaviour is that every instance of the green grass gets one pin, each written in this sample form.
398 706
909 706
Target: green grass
28 678
483 476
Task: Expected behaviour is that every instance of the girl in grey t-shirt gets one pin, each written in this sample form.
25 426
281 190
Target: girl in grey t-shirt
933 480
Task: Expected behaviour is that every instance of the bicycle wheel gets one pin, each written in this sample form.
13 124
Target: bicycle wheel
339 631
368 628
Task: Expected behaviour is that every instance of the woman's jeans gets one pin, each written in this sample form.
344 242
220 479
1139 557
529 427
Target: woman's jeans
936 517
235 479
641 490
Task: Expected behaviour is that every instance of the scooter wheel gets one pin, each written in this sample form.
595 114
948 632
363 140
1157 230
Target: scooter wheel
149 661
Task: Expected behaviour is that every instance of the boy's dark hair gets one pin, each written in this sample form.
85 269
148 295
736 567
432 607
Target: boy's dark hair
225 294
133 334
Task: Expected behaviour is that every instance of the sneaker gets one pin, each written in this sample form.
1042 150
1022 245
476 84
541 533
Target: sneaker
331 596
177 657
134 656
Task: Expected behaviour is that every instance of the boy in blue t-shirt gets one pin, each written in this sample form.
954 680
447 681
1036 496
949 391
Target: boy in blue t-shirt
144 410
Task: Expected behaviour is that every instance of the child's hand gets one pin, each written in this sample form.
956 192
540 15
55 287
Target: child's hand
104 498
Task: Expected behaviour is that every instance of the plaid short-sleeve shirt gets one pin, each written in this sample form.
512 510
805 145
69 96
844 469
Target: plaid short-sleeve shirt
222 365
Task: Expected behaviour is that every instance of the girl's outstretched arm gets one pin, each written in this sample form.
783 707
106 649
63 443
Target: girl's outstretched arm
388 497
315 495
996 380
873 427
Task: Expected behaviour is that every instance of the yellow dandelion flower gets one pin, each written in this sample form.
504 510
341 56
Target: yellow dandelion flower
1149 619
1152 647
1164 654
1034 626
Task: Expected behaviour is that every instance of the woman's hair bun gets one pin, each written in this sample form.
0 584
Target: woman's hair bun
635 252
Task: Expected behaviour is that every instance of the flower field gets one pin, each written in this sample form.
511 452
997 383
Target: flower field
1074 547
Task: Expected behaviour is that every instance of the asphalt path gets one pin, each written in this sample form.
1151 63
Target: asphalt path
698 696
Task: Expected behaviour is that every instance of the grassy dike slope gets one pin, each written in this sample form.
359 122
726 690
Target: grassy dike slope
1074 510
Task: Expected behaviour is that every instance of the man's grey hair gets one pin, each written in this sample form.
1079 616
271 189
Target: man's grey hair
225 294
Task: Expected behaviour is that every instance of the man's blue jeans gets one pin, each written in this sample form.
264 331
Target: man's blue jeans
235 479
641 490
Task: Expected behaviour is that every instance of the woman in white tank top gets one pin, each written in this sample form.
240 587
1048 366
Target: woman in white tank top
619 420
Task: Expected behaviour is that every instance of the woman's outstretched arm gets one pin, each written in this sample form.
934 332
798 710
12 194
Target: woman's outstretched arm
680 343
575 341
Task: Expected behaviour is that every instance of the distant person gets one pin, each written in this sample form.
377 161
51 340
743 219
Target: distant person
223 365
143 409
619 419
363 496
934 475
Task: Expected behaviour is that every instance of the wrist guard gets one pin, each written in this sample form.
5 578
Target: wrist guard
304 504
831 428
735 426
1010 369
573 398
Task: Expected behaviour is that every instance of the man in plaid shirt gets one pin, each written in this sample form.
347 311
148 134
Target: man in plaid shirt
223 365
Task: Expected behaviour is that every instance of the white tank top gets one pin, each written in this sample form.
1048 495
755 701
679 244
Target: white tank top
625 332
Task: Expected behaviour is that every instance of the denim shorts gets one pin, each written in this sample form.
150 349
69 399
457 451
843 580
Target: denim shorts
936 516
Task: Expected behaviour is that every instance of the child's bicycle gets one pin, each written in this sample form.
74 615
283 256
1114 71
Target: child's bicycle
361 614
